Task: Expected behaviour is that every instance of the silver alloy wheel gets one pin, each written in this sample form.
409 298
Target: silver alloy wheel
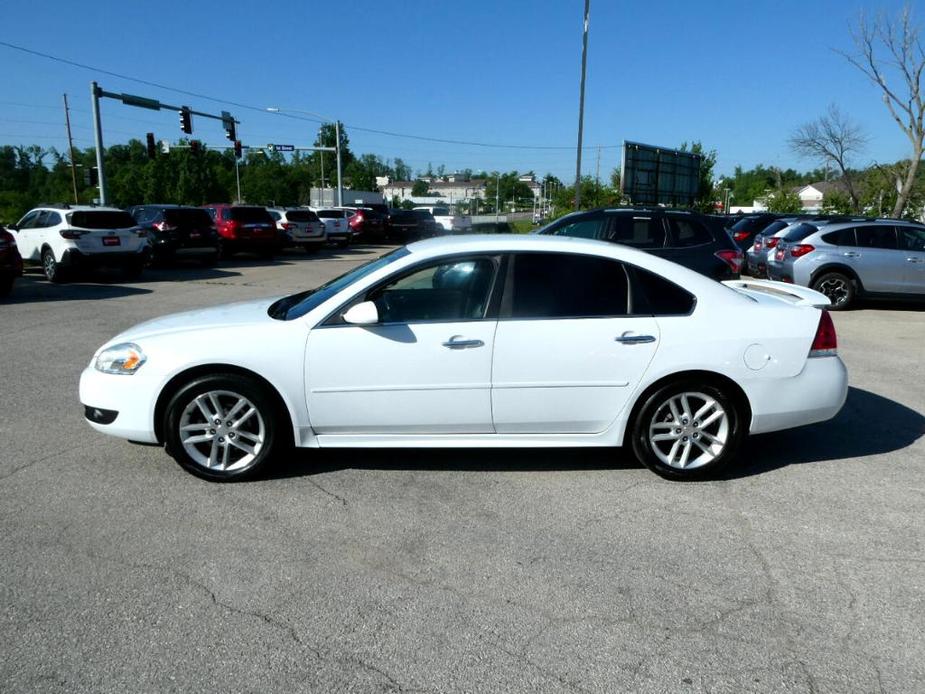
689 430
836 289
48 264
222 430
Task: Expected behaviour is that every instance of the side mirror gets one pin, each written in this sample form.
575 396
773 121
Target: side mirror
364 313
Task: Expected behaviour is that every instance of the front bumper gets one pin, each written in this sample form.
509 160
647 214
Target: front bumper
814 395
130 398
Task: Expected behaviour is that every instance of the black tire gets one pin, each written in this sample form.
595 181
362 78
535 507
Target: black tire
656 418
343 244
133 269
51 267
6 285
211 260
839 288
268 425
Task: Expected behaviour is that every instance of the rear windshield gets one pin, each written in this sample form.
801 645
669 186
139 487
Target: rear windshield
422 214
441 211
800 232
331 214
100 219
301 216
774 227
748 224
251 215
192 216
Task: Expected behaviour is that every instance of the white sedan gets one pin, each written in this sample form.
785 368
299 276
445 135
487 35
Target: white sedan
478 341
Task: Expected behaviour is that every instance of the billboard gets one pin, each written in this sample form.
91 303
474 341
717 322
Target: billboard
658 175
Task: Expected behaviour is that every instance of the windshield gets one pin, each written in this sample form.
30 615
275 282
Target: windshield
297 305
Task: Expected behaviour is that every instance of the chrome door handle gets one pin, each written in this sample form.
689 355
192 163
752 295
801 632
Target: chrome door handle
634 339
913 260
458 342
851 254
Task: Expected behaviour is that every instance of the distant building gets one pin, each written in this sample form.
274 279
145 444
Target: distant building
812 196
448 191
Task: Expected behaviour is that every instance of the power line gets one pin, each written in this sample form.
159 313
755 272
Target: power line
258 109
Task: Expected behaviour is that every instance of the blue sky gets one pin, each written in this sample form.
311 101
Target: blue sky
739 76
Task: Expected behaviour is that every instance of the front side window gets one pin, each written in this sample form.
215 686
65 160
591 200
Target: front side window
687 232
585 228
451 291
636 231
565 285
28 222
911 238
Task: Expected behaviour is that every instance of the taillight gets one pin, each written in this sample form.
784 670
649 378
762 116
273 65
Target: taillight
732 258
772 242
71 234
288 226
740 235
163 226
779 256
231 228
801 249
825 344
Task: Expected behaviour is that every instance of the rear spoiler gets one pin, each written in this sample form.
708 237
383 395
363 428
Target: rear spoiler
792 293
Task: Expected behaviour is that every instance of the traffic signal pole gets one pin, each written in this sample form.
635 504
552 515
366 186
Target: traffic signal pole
95 93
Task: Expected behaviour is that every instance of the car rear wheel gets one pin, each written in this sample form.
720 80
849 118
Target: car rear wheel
6 285
222 428
688 430
52 269
133 269
839 288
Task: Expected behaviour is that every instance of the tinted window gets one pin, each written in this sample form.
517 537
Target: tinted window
301 216
28 222
51 219
688 232
331 214
563 285
876 237
638 232
799 232
211 212
191 217
842 237
655 296
584 228
453 291
100 219
911 238
773 228
441 211
422 214
250 215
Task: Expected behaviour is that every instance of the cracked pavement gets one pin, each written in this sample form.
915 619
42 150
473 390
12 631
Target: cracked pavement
449 571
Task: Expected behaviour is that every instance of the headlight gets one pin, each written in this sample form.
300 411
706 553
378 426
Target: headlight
125 359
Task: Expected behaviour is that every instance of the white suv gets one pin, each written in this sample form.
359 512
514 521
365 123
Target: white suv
64 238
299 227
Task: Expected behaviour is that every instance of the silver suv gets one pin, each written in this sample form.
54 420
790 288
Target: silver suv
884 257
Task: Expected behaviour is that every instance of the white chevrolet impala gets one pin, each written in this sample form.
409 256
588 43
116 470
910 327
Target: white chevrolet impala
478 341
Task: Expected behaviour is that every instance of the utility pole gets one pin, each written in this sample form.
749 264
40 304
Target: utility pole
497 197
98 139
597 175
237 178
340 183
70 144
581 104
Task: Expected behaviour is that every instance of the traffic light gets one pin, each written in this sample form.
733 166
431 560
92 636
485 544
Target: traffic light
195 146
237 149
228 124
152 147
91 176
186 120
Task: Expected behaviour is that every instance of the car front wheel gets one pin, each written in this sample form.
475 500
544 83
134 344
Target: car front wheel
222 428
688 430
51 267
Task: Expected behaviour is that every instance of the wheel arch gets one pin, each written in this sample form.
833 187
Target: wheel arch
713 377
836 267
181 379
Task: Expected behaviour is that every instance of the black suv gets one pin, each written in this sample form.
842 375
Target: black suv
684 237
178 231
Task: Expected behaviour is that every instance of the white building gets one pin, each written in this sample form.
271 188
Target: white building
449 191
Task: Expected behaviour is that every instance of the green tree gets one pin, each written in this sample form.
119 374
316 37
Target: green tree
419 189
784 200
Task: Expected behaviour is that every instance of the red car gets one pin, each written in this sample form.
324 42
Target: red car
10 262
244 228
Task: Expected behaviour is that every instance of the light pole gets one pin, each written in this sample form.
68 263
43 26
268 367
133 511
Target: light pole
328 119
581 104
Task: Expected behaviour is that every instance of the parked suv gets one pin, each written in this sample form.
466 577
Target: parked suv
744 230
178 231
10 262
763 243
64 238
687 238
244 228
846 260
335 222
298 227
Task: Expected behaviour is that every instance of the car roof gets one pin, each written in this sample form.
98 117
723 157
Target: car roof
78 208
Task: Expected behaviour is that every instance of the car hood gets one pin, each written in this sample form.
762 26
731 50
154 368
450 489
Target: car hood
238 314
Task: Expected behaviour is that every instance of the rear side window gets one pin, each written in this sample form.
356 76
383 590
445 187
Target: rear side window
50 219
563 285
799 232
653 295
100 219
585 228
301 216
441 212
876 237
636 231
842 237
250 215
687 232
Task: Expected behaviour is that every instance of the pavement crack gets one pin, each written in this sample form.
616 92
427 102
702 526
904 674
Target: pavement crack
331 494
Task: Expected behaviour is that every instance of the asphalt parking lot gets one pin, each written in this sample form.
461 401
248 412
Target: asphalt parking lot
509 570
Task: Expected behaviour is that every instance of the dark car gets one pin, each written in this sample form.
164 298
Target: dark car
684 237
401 225
427 225
367 222
10 262
743 232
244 228
178 231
